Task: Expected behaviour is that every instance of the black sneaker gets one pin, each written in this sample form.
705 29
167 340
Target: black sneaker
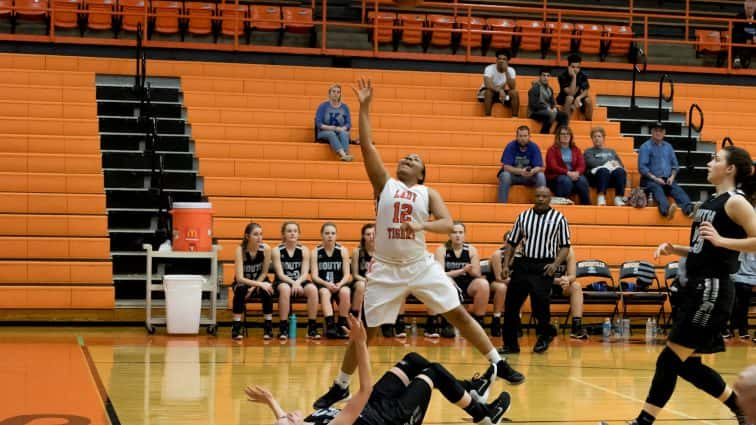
447 331
387 330
268 330
283 330
726 334
497 409
330 333
341 333
431 329
496 326
312 332
236 331
505 372
479 386
509 350
334 395
542 344
579 334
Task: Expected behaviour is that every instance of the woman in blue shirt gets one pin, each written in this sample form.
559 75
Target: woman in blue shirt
333 122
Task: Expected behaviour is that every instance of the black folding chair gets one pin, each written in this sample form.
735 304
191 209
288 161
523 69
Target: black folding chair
646 290
598 292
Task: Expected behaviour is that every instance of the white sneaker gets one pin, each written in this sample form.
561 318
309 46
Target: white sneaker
618 201
601 200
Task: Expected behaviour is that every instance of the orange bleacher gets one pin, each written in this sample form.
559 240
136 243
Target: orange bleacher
254 139
54 245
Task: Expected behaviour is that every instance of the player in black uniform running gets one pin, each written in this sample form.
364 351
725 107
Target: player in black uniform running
462 263
330 271
401 396
722 226
292 264
251 264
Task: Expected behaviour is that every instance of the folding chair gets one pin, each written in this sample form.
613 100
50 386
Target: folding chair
598 292
671 280
647 290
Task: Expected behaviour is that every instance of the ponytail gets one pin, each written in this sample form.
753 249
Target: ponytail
744 178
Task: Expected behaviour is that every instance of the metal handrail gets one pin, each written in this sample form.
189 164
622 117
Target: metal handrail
662 98
691 127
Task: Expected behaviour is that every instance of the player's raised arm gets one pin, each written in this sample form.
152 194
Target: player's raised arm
376 171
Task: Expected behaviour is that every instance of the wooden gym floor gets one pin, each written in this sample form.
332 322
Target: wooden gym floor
121 375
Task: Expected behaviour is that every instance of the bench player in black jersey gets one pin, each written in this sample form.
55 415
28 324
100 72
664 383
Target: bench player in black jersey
462 263
400 397
566 285
498 284
330 271
722 226
291 262
251 264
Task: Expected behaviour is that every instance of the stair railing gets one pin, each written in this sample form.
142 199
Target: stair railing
140 76
691 127
662 97
727 141
637 58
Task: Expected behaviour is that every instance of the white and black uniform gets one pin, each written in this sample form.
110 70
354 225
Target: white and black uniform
252 271
330 268
707 298
363 261
452 262
291 264
401 263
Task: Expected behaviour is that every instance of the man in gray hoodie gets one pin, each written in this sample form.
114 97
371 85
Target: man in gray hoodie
541 103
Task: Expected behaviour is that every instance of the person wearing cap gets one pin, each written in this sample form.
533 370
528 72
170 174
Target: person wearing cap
658 167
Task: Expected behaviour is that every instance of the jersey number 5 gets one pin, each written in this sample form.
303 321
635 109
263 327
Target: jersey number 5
402 212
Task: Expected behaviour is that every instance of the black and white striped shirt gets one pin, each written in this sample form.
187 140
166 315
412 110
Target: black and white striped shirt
541 234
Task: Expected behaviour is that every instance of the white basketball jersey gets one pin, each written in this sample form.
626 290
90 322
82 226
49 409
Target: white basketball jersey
398 203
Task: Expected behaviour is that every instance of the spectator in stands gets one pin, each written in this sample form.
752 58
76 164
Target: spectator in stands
291 261
251 264
330 271
565 167
574 89
499 284
744 32
499 85
658 167
333 122
521 163
604 167
543 236
541 103
462 263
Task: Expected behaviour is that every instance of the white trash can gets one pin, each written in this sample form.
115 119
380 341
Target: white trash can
183 303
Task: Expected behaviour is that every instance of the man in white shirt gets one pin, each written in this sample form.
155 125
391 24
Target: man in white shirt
499 85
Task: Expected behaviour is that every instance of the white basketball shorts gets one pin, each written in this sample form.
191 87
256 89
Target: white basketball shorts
388 285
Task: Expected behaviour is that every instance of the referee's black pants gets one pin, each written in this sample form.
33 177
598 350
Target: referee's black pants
528 278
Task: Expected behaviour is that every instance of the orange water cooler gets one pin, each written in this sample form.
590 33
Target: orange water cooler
192 226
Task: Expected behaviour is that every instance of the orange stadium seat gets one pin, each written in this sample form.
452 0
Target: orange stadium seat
473 39
530 37
6 8
501 41
31 9
66 13
265 18
710 42
384 33
234 19
298 20
134 13
99 14
620 39
560 37
200 16
412 24
441 26
167 15
590 38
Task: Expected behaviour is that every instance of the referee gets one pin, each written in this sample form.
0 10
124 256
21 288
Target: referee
544 236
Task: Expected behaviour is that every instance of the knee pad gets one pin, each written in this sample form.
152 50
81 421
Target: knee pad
665 378
445 382
412 364
703 377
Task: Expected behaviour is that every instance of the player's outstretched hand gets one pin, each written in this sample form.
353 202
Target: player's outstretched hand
364 91
258 394
356 330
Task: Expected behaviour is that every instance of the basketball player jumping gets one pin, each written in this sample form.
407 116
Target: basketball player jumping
401 264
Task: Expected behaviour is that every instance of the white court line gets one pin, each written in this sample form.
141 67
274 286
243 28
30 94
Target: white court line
627 397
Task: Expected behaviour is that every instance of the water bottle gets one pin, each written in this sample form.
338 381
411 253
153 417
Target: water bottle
625 328
617 327
649 330
654 330
651 202
293 326
413 327
606 329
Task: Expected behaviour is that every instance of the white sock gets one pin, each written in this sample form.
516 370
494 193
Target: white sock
268 317
601 200
343 379
493 356
618 201
497 315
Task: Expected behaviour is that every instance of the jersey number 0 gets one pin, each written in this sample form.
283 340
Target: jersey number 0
402 212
